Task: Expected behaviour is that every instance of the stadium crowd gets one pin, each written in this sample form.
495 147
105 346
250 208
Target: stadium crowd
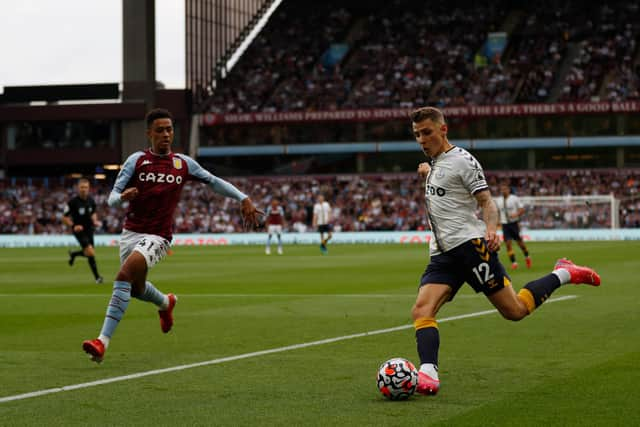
359 202
395 55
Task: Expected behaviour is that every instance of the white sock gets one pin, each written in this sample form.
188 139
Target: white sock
430 369
563 274
105 340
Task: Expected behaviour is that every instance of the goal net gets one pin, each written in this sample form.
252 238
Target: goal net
548 212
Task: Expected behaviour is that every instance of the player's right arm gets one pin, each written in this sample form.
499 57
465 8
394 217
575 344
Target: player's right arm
314 222
66 216
119 194
423 169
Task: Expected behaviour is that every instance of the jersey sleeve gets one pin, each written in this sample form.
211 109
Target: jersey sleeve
472 175
219 185
518 203
123 178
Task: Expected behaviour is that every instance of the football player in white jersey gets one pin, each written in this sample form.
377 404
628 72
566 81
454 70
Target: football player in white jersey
463 247
511 209
322 221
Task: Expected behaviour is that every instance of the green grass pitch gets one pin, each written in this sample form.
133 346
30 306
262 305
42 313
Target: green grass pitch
572 363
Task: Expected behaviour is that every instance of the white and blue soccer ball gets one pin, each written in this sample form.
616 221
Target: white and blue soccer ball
397 379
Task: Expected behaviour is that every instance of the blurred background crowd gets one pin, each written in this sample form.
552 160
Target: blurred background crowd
359 202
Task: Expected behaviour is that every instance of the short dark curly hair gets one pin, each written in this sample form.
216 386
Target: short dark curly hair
158 113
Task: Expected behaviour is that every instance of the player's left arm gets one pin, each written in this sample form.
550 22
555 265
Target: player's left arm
250 214
94 216
284 218
66 216
473 179
520 208
490 217
120 193
95 220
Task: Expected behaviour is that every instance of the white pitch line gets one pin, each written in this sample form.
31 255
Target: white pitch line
243 356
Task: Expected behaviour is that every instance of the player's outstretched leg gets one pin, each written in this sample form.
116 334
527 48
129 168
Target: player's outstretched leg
117 306
534 293
578 274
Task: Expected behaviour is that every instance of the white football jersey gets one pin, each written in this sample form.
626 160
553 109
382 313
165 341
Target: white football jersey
322 213
454 178
509 210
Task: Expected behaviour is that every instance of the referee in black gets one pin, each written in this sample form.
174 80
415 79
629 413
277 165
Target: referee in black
80 215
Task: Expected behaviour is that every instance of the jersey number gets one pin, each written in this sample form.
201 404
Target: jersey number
143 242
481 270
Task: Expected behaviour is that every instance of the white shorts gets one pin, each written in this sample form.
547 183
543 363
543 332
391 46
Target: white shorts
274 229
152 247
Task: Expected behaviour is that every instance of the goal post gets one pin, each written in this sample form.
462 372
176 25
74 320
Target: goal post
593 211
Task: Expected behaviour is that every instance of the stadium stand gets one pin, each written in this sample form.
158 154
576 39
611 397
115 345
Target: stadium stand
393 54
360 202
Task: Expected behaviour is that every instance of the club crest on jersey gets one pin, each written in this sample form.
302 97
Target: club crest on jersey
177 163
81 211
439 173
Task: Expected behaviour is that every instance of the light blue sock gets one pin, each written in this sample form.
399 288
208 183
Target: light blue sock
269 242
153 295
117 306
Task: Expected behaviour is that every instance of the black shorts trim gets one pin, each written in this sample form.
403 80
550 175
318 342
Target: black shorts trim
84 238
325 228
511 231
470 262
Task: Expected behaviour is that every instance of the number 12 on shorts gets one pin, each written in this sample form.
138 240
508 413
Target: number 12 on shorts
483 272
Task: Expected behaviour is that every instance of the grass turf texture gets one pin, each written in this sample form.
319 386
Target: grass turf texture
572 362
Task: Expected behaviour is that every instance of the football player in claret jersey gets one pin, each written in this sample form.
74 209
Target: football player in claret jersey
511 209
80 214
463 247
151 181
275 224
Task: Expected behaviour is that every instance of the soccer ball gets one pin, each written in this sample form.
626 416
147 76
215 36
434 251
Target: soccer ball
397 379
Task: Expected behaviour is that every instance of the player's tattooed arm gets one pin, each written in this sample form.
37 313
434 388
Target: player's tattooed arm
490 217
